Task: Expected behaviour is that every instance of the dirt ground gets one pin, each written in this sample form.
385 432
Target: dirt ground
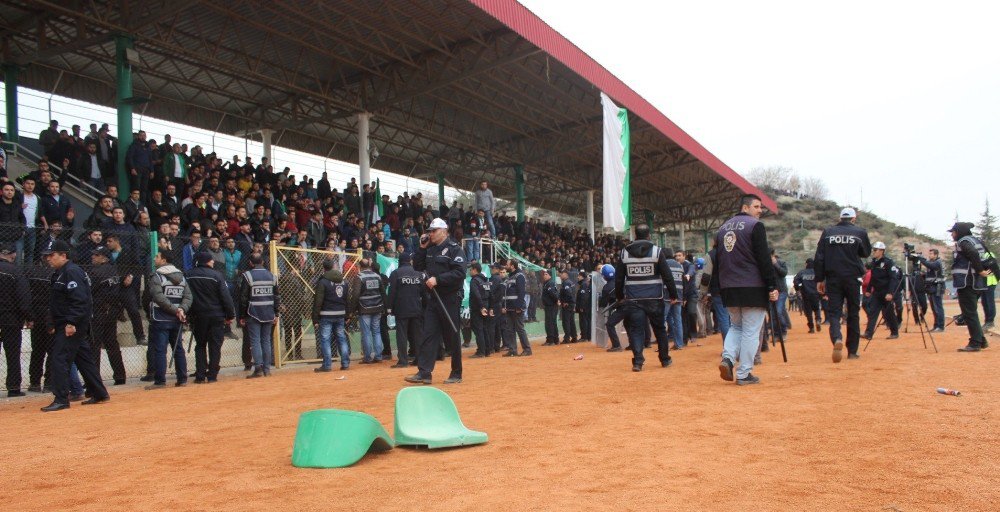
565 434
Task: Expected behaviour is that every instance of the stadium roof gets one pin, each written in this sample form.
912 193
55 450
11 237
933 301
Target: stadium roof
469 88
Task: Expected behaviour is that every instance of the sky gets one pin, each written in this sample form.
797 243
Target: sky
895 105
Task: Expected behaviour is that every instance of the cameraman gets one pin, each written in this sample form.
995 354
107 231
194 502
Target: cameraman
934 286
968 274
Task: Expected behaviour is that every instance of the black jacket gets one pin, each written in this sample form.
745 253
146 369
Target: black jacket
550 293
446 263
840 251
210 293
643 248
70 300
15 297
479 295
885 277
11 220
406 292
106 289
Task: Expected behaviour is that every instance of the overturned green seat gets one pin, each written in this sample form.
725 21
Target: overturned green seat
332 438
427 416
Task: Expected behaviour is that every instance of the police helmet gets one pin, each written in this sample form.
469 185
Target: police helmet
700 263
878 245
608 271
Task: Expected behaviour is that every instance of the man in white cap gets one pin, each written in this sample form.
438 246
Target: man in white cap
442 261
839 270
882 288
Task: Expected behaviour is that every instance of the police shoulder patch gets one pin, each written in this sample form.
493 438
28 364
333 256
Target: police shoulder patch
458 259
70 285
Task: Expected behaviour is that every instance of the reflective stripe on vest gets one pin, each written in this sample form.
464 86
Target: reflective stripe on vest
641 279
962 268
174 293
371 284
261 307
333 298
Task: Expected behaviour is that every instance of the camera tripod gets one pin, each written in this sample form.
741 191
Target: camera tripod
910 297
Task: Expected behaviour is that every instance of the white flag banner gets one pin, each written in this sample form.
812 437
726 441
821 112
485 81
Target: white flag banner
617 197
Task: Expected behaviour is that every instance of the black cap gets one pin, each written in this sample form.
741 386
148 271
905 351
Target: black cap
962 227
405 258
56 246
203 257
102 251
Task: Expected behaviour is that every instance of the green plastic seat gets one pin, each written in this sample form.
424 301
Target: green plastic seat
427 416
332 438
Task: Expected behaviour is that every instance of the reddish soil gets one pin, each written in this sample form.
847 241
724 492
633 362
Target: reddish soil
868 434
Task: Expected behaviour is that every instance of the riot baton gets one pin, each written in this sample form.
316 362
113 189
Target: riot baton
444 309
781 336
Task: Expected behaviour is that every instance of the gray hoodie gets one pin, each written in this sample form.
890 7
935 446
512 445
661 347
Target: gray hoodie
485 201
175 276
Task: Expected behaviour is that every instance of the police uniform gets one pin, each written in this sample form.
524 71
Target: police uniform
550 301
446 263
641 277
970 259
15 297
675 312
615 315
482 325
583 303
258 307
515 288
885 279
40 364
934 288
805 283
371 304
330 306
567 296
70 303
497 290
168 292
211 306
107 292
838 264
406 302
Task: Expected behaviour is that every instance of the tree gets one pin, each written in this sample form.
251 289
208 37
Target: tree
774 178
987 228
814 188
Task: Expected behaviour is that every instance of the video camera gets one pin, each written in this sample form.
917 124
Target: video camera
909 251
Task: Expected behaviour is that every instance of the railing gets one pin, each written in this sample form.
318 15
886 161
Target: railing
66 178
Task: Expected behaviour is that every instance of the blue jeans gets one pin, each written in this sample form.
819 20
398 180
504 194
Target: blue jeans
75 384
471 249
721 315
327 326
782 311
989 302
937 307
673 314
162 334
489 220
371 336
261 345
744 338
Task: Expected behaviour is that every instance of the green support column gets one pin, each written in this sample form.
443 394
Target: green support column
10 91
519 188
441 200
122 101
706 241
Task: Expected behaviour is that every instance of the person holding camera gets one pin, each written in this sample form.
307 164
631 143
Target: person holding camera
882 289
934 287
969 272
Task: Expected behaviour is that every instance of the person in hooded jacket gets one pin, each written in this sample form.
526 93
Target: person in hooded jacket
170 299
333 299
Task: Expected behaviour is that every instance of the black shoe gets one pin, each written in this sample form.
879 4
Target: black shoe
417 379
151 387
853 356
180 384
55 406
867 336
465 345
322 370
200 381
119 382
647 344
525 353
893 336
936 330
819 328
257 373
636 367
15 392
667 363
402 365
614 349
147 378
75 398
247 367
811 330
983 345
212 379
34 389
726 369
95 401
970 348
510 353
748 380
477 355
366 361
141 341
453 380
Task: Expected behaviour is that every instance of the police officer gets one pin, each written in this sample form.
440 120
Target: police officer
107 292
674 311
258 310
934 287
170 300
515 288
40 364
968 273
550 301
371 304
331 303
497 290
805 284
406 303
479 310
443 262
882 289
747 284
15 297
212 310
839 269
640 279
71 307
607 300
584 300
567 302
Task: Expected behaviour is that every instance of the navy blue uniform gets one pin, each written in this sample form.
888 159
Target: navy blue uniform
838 264
71 304
107 292
641 277
514 303
567 297
885 280
583 303
211 306
615 314
805 283
480 300
446 263
550 301
14 301
407 302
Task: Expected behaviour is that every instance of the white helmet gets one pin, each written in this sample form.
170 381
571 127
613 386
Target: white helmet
878 245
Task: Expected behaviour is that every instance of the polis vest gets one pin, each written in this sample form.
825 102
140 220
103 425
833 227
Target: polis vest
962 273
678 272
809 282
261 307
174 293
371 290
737 265
642 282
510 298
334 299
